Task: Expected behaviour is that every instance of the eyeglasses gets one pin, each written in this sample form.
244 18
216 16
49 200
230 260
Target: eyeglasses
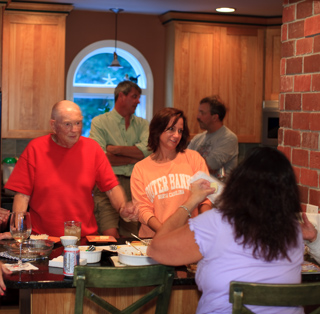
70 125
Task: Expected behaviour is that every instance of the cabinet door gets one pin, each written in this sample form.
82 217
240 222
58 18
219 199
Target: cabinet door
227 61
32 71
272 67
241 81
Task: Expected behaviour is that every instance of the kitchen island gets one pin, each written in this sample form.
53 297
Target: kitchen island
47 290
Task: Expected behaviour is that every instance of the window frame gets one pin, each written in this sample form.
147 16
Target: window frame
121 46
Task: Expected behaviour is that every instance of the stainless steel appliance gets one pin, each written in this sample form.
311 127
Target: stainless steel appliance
270 123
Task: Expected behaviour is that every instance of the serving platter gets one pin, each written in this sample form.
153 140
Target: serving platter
309 268
101 239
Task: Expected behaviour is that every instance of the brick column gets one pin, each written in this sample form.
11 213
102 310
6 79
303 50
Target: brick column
300 94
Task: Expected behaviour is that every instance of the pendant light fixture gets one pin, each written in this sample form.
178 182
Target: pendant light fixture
115 62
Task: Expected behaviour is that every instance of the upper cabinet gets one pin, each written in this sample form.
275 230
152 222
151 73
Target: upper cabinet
33 63
205 59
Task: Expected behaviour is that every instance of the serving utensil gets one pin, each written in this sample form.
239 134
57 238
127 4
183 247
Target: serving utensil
91 248
142 241
130 244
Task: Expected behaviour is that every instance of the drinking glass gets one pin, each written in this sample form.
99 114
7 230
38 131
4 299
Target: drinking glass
72 228
20 229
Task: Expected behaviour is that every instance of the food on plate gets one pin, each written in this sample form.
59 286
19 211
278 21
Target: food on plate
84 248
308 267
214 185
39 237
192 268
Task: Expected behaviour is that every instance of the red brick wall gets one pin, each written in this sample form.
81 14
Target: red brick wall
300 94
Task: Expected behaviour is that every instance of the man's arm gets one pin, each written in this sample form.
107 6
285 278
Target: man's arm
20 202
126 151
123 155
120 160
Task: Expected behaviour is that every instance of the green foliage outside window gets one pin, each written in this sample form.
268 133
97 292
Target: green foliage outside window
92 107
95 71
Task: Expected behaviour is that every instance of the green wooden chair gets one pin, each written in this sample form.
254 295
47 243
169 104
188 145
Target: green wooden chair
248 293
159 276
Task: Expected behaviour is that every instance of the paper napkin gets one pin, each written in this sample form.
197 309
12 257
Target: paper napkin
28 266
203 175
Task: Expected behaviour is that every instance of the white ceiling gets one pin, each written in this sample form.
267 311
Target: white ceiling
243 7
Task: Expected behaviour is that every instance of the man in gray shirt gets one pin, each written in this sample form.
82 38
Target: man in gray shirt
218 145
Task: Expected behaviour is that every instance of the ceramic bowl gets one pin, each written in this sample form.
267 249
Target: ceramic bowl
90 256
68 240
129 256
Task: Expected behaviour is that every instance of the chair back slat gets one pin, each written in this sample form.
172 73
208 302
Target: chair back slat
144 300
101 302
246 293
159 277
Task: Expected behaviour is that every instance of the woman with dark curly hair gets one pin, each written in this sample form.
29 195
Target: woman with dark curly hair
252 235
160 182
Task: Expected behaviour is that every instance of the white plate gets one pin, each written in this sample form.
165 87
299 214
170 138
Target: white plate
130 256
108 248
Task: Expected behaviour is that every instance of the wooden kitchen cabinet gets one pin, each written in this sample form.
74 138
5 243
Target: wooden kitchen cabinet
236 57
204 60
33 63
272 64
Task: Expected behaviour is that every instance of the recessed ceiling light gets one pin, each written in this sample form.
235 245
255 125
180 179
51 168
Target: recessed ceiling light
225 10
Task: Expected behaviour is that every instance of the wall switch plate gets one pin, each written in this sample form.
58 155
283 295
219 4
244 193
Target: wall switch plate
312 209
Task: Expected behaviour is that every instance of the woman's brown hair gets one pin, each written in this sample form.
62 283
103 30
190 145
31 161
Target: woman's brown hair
159 124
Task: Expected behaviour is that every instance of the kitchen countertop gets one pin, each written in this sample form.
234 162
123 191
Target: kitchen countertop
52 277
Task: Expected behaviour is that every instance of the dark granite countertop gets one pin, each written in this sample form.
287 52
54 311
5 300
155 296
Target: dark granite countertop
52 277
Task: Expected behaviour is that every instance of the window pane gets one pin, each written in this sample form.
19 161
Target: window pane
92 107
95 71
97 104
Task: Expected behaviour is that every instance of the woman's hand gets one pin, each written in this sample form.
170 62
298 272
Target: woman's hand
4 217
3 270
200 189
309 232
5 235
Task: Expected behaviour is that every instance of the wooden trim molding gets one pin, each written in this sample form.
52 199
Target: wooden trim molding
220 18
39 7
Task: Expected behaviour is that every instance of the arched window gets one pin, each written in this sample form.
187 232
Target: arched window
91 84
